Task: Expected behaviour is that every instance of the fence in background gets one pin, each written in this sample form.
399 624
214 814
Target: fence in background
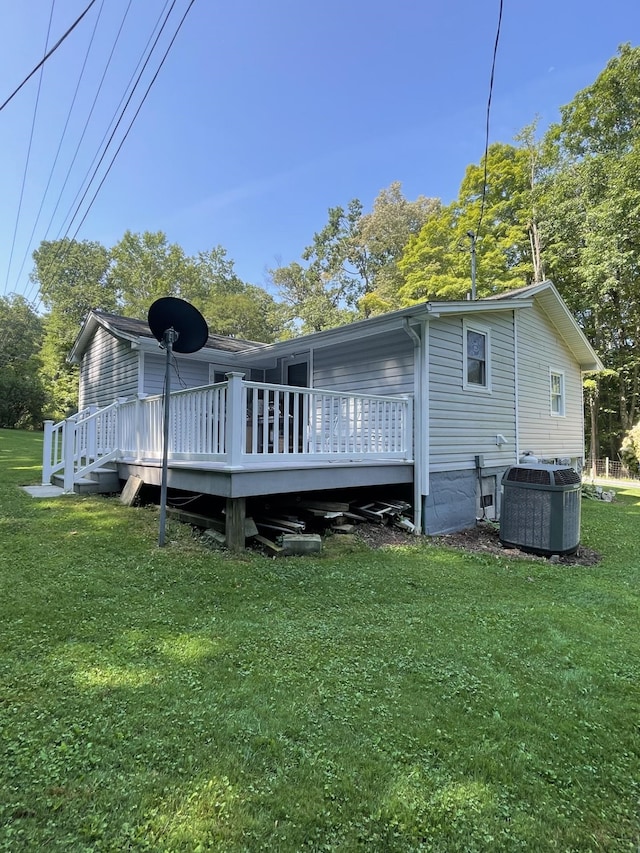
610 469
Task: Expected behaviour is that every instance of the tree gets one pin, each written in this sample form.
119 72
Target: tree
382 236
604 116
73 278
630 448
230 306
145 267
436 263
21 390
352 264
308 300
593 245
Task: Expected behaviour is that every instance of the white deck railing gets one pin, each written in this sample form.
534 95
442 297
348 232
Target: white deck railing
80 444
235 424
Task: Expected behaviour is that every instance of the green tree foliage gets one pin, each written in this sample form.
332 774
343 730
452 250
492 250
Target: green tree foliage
75 277
72 278
604 116
436 263
307 298
352 264
382 236
21 390
630 448
592 202
231 306
145 267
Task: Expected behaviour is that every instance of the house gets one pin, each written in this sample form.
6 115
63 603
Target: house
441 397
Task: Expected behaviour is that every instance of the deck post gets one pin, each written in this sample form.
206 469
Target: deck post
69 445
234 525
47 447
236 420
91 449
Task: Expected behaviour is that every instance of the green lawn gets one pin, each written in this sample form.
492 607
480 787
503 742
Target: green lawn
407 699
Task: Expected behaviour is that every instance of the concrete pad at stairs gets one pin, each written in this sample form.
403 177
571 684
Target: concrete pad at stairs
45 491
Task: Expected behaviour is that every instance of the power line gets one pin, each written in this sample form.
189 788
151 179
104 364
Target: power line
61 249
64 131
26 164
166 53
486 144
122 112
47 55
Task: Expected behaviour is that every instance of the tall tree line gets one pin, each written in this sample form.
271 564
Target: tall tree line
565 207
73 277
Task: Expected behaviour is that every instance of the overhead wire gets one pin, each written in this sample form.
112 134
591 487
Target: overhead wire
47 55
121 116
106 133
62 237
86 125
64 131
144 98
486 144
28 157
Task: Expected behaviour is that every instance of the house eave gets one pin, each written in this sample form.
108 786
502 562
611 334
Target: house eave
374 325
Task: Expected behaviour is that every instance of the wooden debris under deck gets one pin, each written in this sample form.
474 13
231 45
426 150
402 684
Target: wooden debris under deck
340 517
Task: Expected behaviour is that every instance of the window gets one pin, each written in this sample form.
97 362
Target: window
556 382
476 358
217 373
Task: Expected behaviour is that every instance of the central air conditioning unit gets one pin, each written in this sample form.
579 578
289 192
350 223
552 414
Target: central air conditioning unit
541 509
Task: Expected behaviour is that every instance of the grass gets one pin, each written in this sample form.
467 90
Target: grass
407 699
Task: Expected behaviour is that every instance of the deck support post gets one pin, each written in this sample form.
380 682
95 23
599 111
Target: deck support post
234 525
47 449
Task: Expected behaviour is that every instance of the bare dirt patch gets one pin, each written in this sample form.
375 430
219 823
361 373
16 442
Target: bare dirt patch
483 538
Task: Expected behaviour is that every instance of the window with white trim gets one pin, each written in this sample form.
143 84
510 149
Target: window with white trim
476 355
556 389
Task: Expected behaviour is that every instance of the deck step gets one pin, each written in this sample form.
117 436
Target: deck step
102 480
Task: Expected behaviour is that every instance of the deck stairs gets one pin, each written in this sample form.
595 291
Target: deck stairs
103 480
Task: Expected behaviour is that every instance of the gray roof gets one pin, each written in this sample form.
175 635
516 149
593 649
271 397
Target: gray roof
140 328
134 330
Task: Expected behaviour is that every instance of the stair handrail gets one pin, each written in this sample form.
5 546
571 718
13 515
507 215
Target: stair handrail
53 445
79 443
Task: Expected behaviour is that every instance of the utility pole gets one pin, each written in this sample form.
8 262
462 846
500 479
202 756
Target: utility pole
471 235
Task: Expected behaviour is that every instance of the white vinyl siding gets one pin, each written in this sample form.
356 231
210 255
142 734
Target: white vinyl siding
374 364
185 373
109 369
462 425
541 353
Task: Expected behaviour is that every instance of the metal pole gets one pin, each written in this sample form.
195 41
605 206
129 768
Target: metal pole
472 237
170 336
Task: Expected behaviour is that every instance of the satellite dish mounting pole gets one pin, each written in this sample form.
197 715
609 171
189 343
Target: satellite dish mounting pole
178 327
169 338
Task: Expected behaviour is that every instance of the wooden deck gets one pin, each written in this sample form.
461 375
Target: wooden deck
240 438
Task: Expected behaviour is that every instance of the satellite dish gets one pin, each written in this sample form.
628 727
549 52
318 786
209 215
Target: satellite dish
179 327
185 320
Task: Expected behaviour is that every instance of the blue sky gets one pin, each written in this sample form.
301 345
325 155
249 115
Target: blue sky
266 114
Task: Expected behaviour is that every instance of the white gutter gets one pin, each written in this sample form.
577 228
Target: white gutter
517 383
418 411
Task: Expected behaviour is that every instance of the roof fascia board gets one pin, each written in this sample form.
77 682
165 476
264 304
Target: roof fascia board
479 307
546 290
587 366
332 337
151 345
